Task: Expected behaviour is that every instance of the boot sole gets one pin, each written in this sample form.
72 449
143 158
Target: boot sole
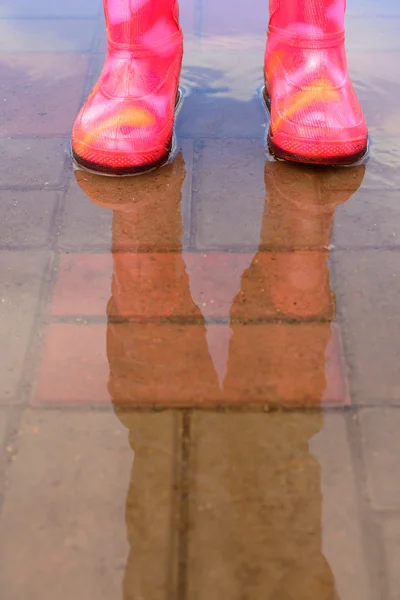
279 153
81 164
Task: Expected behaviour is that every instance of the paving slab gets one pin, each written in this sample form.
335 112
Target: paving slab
381 452
79 517
367 285
22 277
259 520
26 218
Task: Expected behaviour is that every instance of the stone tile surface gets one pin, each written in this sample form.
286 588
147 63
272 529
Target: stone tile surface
382 171
279 364
207 115
391 537
370 219
343 540
242 287
46 35
22 277
227 299
228 200
270 205
26 217
367 285
256 513
83 284
3 423
74 366
35 162
78 518
192 365
381 453
292 286
3 447
144 286
84 225
41 93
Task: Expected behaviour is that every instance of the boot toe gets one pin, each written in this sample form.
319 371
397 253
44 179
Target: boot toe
322 132
120 137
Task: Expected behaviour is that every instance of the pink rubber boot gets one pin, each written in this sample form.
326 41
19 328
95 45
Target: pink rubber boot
315 114
126 125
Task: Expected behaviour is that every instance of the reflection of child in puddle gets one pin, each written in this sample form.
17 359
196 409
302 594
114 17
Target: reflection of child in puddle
251 488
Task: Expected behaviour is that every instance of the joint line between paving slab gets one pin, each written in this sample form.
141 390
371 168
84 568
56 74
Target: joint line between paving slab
230 406
370 530
184 523
182 320
238 250
36 341
197 150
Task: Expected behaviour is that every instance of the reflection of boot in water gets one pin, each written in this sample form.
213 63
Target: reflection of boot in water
264 535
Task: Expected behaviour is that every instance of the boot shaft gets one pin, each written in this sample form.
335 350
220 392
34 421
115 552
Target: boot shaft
140 22
313 17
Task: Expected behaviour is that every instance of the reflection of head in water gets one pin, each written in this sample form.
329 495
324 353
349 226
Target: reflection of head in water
261 532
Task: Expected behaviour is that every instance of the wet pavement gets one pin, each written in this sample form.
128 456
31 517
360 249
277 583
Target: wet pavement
200 379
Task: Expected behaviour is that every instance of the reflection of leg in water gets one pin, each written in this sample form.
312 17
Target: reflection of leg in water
155 360
289 277
261 538
256 508
151 504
